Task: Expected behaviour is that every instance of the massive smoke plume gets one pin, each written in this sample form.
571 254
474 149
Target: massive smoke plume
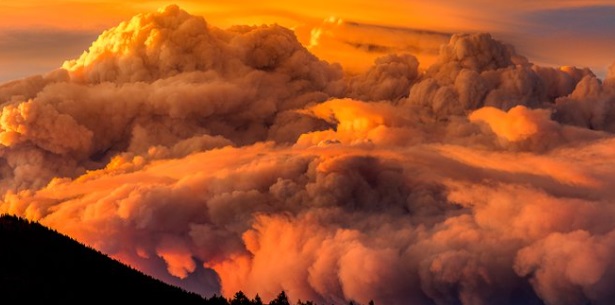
226 160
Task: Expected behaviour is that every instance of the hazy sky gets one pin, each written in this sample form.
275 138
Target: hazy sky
36 36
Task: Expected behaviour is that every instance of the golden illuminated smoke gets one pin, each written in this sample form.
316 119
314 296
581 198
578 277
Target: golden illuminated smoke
237 160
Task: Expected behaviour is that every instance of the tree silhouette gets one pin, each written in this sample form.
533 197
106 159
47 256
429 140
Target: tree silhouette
257 300
217 300
282 299
240 299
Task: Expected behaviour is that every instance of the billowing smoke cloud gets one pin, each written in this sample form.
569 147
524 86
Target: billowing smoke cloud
356 45
227 160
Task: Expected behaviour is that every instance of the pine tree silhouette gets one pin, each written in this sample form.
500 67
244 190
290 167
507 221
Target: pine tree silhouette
282 299
257 300
240 299
217 300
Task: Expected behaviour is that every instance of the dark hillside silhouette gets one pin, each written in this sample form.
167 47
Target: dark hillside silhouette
41 266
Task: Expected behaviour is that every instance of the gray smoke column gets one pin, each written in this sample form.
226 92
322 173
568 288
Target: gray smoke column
225 160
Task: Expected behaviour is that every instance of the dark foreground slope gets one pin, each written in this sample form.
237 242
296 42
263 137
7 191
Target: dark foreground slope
41 266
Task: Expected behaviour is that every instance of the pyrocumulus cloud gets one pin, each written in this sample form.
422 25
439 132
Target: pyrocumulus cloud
227 160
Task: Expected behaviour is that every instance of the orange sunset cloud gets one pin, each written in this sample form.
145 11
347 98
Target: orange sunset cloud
390 152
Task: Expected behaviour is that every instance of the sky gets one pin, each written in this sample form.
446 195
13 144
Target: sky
358 152
36 36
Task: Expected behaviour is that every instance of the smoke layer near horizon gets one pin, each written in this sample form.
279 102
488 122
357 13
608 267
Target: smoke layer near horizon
226 160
